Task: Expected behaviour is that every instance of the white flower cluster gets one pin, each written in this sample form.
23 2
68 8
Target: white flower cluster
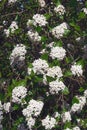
42 3
39 19
76 70
11 29
30 122
40 66
76 128
56 115
84 10
85 93
1 113
59 31
7 106
66 117
67 129
60 9
12 1
49 122
56 86
55 71
17 56
29 23
77 107
34 36
33 110
18 94
58 52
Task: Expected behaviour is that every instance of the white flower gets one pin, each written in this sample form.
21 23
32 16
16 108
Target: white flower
77 107
29 71
54 71
85 93
12 1
1 106
39 19
60 9
67 129
56 86
42 3
40 66
49 122
84 10
1 112
56 115
50 45
58 52
29 22
13 26
82 100
34 36
7 106
33 109
59 31
76 128
17 56
66 117
18 94
77 70
7 32
30 122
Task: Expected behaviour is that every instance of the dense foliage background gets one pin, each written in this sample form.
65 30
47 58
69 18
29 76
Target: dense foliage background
75 43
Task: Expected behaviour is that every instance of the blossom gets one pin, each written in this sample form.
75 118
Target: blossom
58 52
30 122
55 71
1 112
76 70
33 109
49 122
84 10
85 93
11 28
77 107
59 30
12 1
39 19
40 66
60 9
56 86
7 106
18 94
42 3
66 117
34 36
17 56
76 128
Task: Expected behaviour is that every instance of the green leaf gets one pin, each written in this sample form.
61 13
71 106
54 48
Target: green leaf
44 39
75 100
50 79
38 29
15 107
67 73
44 56
81 15
81 89
58 43
66 91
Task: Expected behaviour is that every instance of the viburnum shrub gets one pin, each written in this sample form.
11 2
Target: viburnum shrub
43 65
